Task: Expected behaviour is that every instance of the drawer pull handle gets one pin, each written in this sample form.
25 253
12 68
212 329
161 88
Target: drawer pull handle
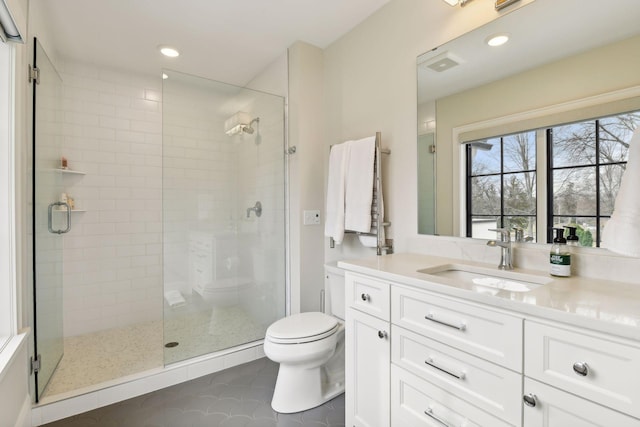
460 327
433 364
581 368
382 334
365 297
429 412
530 399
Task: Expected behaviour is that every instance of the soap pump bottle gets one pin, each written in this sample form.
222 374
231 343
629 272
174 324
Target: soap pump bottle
560 257
572 239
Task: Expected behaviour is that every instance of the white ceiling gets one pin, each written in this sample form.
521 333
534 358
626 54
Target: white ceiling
227 40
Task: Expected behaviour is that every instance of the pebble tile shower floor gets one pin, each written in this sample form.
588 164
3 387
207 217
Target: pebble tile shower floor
236 397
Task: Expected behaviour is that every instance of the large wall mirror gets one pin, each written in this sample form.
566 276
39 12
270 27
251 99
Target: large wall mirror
569 66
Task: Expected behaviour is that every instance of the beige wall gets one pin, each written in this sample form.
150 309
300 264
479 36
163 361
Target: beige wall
306 175
370 85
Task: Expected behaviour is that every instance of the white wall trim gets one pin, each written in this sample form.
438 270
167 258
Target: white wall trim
24 418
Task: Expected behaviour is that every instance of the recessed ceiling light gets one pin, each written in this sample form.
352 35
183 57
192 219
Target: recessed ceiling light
164 76
497 39
169 51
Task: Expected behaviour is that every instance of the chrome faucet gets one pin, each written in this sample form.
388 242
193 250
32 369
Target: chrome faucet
505 246
520 237
257 208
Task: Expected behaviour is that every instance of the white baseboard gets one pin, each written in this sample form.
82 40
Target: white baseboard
24 418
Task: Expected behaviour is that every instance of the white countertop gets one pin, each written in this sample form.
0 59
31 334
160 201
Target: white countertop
605 306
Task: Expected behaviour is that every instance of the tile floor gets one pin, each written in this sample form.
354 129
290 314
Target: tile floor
236 397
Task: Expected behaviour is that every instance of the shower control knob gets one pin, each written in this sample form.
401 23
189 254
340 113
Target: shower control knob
382 335
365 297
581 368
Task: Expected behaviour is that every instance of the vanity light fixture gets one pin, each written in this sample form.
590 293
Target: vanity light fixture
501 4
497 39
169 51
455 2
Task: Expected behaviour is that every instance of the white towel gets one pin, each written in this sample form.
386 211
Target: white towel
621 234
174 298
359 186
334 221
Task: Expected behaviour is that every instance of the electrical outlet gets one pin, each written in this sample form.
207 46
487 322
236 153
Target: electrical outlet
311 217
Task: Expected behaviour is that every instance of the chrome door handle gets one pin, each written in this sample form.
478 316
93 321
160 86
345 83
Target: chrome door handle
530 400
382 334
581 368
365 297
429 412
50 218
431 362
461 327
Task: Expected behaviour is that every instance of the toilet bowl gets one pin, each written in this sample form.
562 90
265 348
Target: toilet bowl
310 350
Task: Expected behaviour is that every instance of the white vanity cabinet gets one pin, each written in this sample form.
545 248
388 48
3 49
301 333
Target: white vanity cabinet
418 357
454 363
368 354
583 367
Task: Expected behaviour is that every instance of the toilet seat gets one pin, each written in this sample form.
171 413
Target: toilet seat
302 328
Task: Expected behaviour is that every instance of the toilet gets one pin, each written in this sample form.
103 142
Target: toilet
310 350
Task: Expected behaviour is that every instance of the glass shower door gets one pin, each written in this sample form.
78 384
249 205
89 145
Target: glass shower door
51 218
223 215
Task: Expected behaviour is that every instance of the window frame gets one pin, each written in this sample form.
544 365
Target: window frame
8 278
502 174
544 180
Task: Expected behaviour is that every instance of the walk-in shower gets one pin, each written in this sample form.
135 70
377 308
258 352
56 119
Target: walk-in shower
228 266
161 263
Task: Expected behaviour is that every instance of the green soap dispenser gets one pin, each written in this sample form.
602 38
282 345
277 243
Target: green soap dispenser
560 257
572 239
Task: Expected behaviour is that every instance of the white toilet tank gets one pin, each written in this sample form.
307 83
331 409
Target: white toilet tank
334 290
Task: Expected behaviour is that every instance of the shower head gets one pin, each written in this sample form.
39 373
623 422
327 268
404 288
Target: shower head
248 129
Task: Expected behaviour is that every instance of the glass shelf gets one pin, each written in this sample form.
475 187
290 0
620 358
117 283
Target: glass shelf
71 172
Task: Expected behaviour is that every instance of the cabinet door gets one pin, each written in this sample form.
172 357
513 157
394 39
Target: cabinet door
368 364
556 408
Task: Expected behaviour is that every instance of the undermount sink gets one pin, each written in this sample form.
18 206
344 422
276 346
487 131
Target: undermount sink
484 279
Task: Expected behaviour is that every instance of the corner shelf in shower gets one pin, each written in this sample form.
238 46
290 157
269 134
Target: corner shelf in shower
71 172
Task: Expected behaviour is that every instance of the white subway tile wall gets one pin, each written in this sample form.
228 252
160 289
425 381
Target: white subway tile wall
112 256
113 130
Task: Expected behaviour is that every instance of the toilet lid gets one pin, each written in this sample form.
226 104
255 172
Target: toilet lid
302 327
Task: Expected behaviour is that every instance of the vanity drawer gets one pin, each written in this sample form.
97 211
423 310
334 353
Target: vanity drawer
488 334
368 295
556 408
481 383
553 355
416 403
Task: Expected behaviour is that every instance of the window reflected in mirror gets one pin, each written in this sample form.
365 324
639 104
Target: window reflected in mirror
585 162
